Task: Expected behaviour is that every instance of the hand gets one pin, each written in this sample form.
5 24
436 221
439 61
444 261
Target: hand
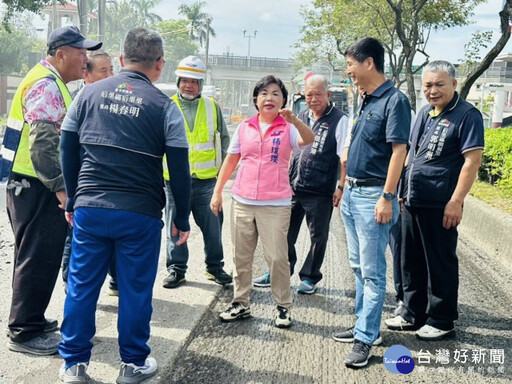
336 197
216 203
287 115
452 214
61 195
69 217
383 211
183 235
401 204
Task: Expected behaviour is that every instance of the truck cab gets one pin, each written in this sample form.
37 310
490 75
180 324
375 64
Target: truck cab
298 103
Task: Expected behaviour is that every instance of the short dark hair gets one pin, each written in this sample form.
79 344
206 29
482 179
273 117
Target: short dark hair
267 80
143 46
365 48
93 56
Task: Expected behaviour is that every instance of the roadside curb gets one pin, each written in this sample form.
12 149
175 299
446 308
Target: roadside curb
488 228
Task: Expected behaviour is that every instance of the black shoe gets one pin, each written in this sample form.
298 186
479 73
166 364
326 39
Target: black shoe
219 276
51 326
113 290
359 356
174 280
43 345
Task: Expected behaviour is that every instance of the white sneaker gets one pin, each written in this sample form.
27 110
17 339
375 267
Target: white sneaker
234 312
398 308
282 317
399 324
75 374
133 374
428 332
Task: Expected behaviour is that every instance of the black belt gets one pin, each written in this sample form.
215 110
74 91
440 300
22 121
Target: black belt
365 182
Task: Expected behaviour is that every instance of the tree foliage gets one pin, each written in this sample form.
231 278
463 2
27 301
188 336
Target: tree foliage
403 27
472 51
200 22
14 6
121 16
505 19
14 49
177 45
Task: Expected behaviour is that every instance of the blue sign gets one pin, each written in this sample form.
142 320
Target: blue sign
398 359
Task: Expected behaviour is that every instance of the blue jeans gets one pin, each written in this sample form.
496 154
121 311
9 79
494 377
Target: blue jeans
367 241
100 234
210 225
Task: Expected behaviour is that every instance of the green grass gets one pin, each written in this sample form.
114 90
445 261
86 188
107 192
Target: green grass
492 195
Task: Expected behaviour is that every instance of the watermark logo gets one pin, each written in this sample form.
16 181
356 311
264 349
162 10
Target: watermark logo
398 359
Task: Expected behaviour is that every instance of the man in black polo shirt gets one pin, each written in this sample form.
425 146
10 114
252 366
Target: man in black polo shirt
369 207
445 153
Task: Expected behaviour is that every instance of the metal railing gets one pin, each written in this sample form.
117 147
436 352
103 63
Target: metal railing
244 61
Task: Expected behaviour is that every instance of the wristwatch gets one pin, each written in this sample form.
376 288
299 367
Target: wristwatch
340 187
388 195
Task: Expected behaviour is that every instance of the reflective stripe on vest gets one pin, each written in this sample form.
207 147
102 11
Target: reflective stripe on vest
11 139
202 153
16 141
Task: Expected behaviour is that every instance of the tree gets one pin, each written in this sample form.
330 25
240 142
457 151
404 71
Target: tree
479 40
403 27
505 18
177 45
142 8
121 16
200 22
14 50
14 6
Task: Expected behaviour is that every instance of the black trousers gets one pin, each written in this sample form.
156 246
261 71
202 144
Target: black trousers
39 233
430 268
318 212
395 245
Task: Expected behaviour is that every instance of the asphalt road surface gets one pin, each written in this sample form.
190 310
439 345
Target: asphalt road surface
254 351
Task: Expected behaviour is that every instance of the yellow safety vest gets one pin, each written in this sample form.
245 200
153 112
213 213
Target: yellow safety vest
202 153
22 163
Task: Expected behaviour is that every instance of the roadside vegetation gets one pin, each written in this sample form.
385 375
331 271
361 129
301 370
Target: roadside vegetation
494 185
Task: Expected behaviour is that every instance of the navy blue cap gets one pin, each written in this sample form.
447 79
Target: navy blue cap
71 36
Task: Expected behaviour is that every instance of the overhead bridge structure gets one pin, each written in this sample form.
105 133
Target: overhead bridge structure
235 76
243 68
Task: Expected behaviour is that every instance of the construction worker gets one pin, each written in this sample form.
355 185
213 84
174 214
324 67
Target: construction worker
204 124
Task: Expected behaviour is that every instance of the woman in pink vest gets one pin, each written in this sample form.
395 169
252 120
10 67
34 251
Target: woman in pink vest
262 194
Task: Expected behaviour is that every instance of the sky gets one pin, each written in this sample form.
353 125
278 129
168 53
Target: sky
278 24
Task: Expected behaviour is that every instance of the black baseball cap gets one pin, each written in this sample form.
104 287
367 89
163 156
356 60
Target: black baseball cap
71 36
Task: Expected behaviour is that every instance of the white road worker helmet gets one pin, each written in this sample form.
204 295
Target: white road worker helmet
191 67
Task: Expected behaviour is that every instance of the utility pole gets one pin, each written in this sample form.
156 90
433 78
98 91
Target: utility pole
101 20
206 49
249 36
82 16
55 16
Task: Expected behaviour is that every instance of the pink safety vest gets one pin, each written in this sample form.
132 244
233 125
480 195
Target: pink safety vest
263 172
